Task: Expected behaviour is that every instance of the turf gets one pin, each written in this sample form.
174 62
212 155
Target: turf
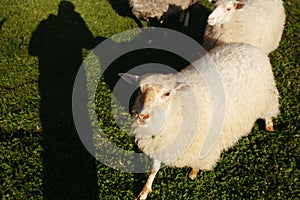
41 156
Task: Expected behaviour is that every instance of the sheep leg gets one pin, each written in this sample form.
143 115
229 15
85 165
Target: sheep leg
184 17
193 173
187 19
269 124
148 186
148 23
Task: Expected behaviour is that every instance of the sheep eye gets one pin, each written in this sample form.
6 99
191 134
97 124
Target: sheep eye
228 9
166 94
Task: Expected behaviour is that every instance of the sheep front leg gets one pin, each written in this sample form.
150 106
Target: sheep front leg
148 186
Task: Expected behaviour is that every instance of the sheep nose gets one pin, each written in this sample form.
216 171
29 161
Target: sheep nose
143 116
211 20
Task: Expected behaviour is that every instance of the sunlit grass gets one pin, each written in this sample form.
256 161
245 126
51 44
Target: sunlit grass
264 165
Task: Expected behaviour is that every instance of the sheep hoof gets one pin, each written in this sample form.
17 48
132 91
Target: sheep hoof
269 124
270 127
193 173
143 194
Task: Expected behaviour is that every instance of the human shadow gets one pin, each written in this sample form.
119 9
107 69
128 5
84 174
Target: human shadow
68 168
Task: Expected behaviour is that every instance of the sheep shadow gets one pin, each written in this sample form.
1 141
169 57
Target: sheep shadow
149 61
129 61
197 22
69 171
122 7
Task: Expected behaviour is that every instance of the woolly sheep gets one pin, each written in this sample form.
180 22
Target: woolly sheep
160 9
257 22
165 103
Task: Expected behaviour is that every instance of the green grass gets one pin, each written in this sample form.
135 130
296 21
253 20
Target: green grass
42 158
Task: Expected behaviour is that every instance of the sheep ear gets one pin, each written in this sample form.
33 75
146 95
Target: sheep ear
132 79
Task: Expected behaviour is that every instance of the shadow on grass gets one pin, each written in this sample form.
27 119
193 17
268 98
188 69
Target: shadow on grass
126 62
197 22
2 22
69 170
122 7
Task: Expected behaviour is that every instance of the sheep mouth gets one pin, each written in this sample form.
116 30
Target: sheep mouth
142 119
142 122
211 22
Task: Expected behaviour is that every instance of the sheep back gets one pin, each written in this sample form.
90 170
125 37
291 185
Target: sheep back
250 93
145 9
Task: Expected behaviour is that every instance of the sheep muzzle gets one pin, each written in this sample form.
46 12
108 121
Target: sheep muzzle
142 118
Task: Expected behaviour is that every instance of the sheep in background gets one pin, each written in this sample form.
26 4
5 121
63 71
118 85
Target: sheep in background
173 104
161 9
257 22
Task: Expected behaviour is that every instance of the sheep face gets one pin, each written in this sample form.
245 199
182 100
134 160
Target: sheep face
156 90
153 97
223 11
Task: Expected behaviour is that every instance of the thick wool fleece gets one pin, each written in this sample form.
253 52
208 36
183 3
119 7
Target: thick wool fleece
250 93
146 9
259 23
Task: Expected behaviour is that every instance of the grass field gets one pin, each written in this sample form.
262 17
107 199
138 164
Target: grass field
41 156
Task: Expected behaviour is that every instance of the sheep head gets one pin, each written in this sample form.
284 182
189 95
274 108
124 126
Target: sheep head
156 93
223 11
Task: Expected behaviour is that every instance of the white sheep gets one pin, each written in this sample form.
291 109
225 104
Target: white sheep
161 9
176 115
257 22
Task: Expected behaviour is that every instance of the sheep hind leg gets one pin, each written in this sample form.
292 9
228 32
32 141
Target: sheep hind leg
193 173
148 186
269 124
185 17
